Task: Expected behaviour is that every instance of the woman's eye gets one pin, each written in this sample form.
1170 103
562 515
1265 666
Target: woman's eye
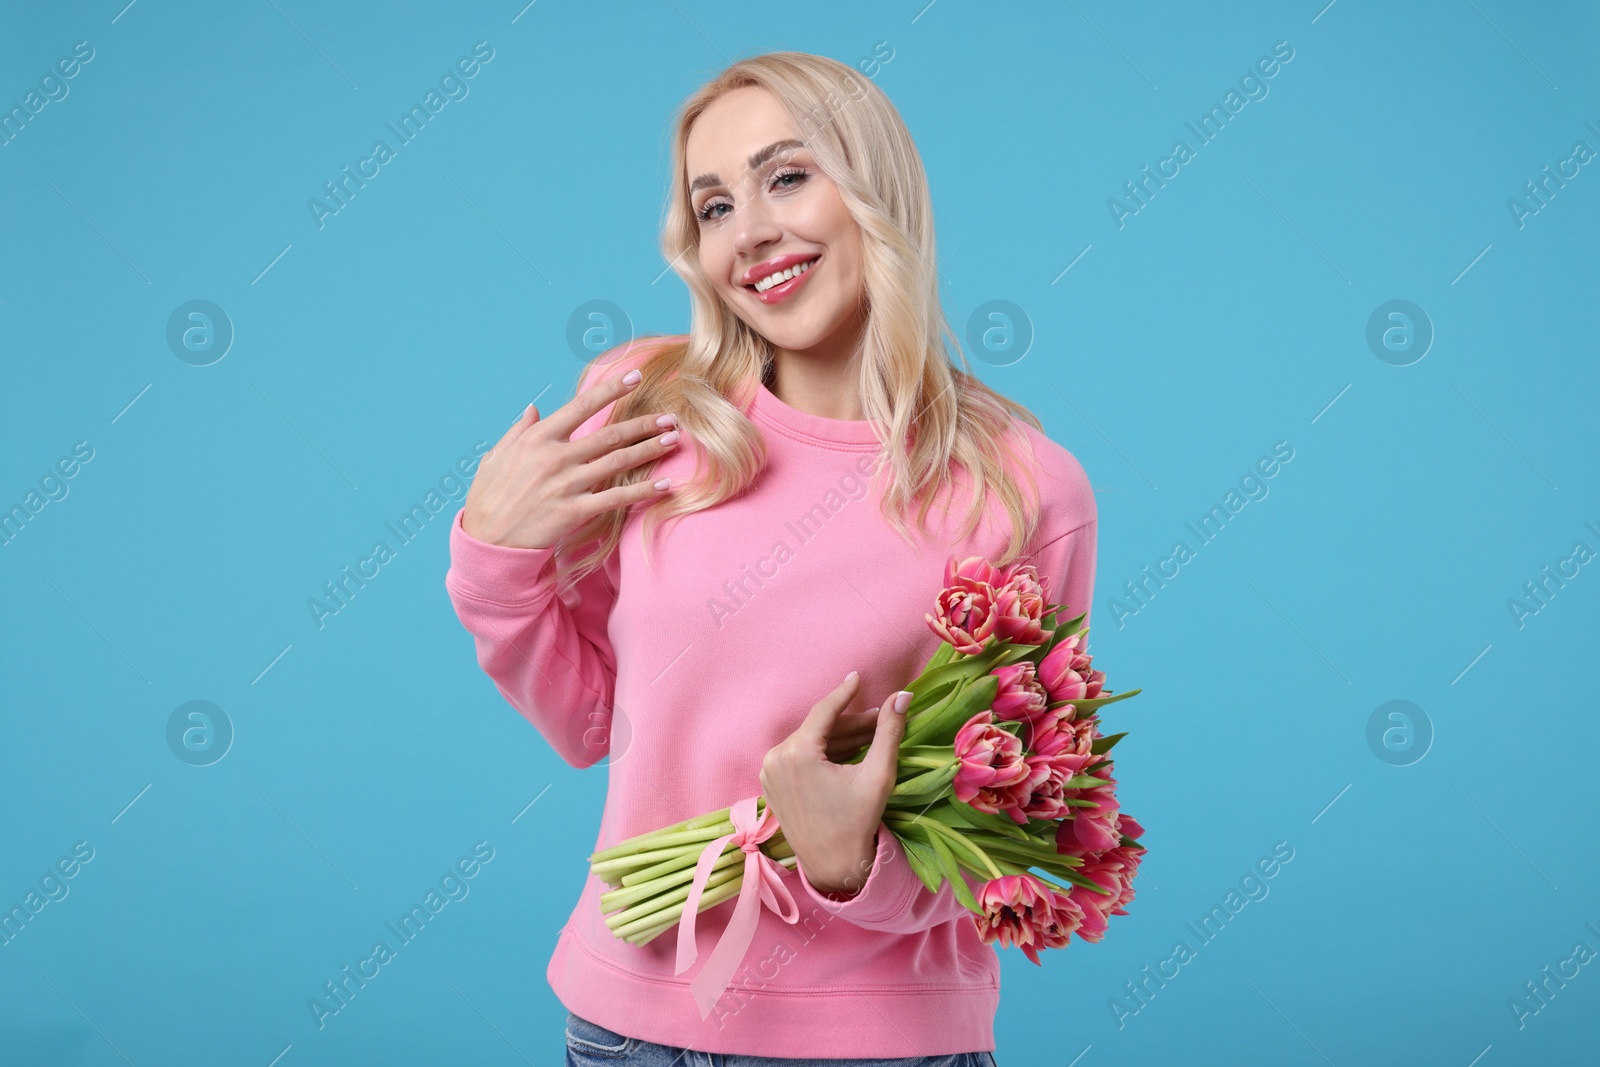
785 179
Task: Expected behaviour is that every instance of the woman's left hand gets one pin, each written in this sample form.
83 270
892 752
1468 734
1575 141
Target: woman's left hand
830 811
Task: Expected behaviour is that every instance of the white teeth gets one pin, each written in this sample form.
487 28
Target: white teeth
782 276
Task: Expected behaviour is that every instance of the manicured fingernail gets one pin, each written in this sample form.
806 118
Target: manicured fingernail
663 483
851 676
902 701
666 420
632 377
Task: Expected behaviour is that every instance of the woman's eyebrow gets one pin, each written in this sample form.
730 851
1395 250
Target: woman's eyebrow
755 161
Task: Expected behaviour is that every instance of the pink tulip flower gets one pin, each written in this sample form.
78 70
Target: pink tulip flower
1093 829
1022 604
994 775
1066 672
966 617
967 611
1114 871
1020 697
1067 918
1021 911
1062 746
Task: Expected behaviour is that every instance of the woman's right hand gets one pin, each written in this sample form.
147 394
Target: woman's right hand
536 485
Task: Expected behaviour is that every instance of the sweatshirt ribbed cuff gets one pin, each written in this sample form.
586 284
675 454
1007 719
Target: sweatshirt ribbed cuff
504 575
884 895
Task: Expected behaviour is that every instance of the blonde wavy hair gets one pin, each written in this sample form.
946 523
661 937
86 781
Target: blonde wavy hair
930 414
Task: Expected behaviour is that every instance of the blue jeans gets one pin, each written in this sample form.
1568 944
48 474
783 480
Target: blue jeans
592 1045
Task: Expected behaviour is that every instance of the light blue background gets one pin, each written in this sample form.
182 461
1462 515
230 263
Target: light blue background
1228 314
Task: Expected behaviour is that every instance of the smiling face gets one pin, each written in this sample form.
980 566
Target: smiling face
763 208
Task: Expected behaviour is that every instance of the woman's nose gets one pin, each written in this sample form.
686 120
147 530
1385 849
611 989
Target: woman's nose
755 226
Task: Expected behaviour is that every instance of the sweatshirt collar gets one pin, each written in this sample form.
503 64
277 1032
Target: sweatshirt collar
854 435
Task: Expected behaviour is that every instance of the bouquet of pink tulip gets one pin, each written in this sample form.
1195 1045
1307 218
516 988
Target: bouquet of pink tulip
1002 771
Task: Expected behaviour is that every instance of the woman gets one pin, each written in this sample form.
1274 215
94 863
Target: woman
685 605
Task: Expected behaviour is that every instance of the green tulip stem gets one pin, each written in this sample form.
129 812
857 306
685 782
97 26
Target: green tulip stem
960 843
645 890
646 914
709 899
634 847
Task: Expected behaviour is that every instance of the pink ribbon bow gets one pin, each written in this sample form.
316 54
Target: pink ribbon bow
760 872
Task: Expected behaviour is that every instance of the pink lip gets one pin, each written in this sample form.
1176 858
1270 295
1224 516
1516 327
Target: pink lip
779 293
772 266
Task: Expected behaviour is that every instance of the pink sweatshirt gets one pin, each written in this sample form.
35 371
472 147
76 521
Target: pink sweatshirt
686 671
